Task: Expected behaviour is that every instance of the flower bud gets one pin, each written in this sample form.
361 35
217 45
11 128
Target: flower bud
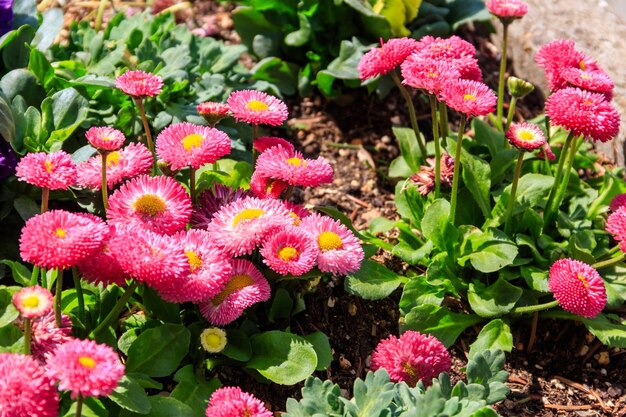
519 88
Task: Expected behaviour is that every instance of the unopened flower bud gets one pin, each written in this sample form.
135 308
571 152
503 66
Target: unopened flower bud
519 88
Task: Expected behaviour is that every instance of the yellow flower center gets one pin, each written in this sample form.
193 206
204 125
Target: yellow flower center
583 280
587 102
60 232
213 339
237 282
288 253
150 205
256 105
31 301
296 162
296 218
469 97
433 74
106 138
586 76
113 158
526 135
192 141
87 361
248 214
329 241
48 166
194 260
582 65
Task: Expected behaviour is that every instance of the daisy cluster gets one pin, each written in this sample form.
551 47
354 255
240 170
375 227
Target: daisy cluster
581 91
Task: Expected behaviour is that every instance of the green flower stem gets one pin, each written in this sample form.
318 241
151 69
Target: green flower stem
443 121
117 309
79 294
34 276
509 209
192 184
146 128
27 336
412 116
433 114
44 278
457 169
509 116
45 196
79 406
505 39
610 262
558 179
536 307
100 14
105 188
58 295
255 154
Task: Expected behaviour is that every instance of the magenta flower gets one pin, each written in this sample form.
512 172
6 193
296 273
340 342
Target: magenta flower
616 223
426 74
291 167
185 144
446 49
85 368
583 113
577 287
379 61
597 80
265 142
526 136
560 55
263 186
507 9
60 239
46 336
105 138
139 84
617 202
25 389
411 357
211 200
256 107
33 302
54 171
213 112
471 98
232 402
290 251
103 267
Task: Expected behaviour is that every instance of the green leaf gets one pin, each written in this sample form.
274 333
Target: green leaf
490 251
7 124
302 35
494 300
158 351
192 392
607 328
372 396
399 168
8 312
494 335
377 26
372 281
39 65
489 137
19 272
164 407
131 396
476 175
51 25
26 207
417 292
162 310
437 227
438 321
281 73
92 407
238 345
322 348
409 147
281 305
319 399
283 358
15 53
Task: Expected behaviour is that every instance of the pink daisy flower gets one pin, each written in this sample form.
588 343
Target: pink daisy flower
263 186
296 211
135 159
617 202
105 138
33 302
292 168
472 98
256 107
46 336
290 251
54 171
450 48
157 260
185 144
102 267
211 200
233 402
597 80
616 225
508 9
242 225
428 75
209 270
467 67
245 287
139 83
85 368
546 152
159 204
526 136
557 56
25 389
60 239
379 61
425 178
213 112
339 250
412 357
583 113
577 287
265 142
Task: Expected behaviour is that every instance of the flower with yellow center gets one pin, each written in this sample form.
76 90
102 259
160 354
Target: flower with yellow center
149 205
87 361
329 241
113 158
195 262
33 302
296 162
236 283
48 166
60 232
213 339
256 105
248 214
471 97
192 141
288 253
